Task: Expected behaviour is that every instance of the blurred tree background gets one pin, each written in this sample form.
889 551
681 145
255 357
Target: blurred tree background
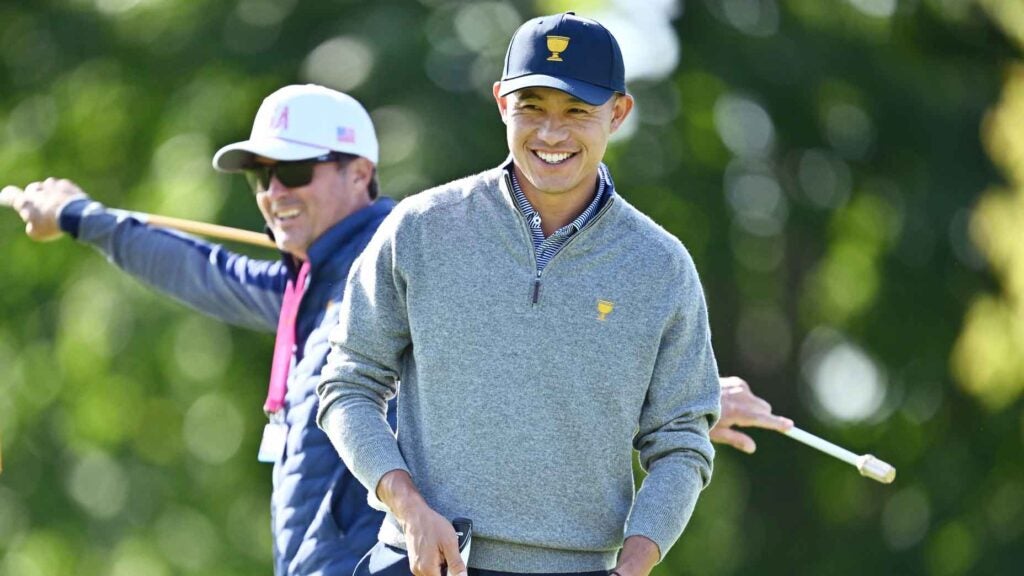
848 174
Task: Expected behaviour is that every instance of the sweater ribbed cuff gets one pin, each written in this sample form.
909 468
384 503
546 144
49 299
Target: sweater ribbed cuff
663 507
69 216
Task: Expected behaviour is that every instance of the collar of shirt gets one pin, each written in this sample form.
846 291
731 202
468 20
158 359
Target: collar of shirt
604 190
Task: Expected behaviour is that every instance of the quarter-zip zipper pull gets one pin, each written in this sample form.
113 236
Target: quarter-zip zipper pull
536 289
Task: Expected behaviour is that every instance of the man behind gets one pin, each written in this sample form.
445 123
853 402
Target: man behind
542 328
311 159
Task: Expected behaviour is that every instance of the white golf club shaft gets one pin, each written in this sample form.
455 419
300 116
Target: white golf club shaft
216 231
866 464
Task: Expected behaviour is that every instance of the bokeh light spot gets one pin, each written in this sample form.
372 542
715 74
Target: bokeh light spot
94 324
849 130
486 26
33 121
744 126
649 44
342 63
40 553
752 17
846 384
951 550
399 132
1005 511
875 8
184 184
202 351
136 557
187 538
757 200
99 485
115 7
262 13
905 518
105 413
824 179
213 429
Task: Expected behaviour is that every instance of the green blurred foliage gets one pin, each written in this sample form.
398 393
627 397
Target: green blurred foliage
848 175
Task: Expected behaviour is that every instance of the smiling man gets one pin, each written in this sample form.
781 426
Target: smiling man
311 159
542 328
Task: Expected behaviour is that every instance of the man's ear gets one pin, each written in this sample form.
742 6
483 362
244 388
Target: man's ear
360 172
621 108
502 101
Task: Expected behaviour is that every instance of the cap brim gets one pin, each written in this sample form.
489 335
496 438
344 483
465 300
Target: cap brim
235 157
585 91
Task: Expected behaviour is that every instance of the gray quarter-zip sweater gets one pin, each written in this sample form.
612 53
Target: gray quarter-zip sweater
523 396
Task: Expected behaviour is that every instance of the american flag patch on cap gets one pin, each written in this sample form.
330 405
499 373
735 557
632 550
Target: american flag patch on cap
346 134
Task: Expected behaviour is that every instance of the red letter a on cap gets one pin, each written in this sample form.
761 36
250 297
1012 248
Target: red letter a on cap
280 119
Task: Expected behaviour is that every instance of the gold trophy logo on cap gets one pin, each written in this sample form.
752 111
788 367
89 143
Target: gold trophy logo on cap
557 45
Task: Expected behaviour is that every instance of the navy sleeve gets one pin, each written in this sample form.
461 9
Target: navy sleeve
228 286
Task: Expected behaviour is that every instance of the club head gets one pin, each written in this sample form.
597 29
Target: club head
464 530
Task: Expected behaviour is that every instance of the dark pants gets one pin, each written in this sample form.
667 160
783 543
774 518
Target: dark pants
478 572
384 560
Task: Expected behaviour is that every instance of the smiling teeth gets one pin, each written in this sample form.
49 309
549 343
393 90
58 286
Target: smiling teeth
287 214
554 158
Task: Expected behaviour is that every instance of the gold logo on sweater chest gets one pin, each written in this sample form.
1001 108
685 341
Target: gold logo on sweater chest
604 308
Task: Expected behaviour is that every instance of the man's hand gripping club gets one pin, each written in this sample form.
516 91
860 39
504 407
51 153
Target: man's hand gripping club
429 537
39 203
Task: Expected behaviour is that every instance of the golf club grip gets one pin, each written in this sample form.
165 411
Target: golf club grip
209 230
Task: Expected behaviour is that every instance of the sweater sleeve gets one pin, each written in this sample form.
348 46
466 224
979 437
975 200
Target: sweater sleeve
681 406
206 277
367 349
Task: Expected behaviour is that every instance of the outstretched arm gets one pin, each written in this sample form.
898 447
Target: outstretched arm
220 283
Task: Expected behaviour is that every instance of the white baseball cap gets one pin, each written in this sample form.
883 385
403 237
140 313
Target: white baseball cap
303 121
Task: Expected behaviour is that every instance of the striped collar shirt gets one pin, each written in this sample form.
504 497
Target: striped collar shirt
546 248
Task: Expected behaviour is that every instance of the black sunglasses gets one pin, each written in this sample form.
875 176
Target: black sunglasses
292 174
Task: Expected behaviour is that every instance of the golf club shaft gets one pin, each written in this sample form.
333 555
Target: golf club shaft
823 445
209 230
188 226
866 464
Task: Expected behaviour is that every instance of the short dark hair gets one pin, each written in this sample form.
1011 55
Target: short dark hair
374 186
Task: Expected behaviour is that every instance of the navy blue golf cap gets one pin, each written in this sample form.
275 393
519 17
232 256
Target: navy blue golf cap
566 52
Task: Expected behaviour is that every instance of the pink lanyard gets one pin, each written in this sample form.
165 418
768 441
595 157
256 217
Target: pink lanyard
284 345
